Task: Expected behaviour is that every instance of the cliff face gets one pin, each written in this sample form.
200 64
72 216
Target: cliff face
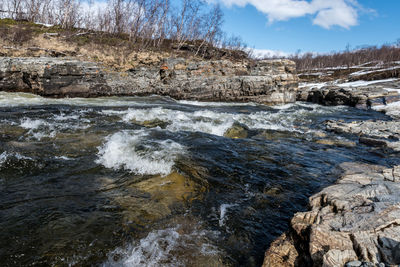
267 82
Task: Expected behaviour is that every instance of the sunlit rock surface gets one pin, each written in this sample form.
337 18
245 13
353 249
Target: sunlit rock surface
266 81
355 219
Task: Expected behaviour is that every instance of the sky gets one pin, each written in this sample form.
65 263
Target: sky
318 26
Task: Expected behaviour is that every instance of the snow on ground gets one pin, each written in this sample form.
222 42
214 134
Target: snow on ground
347 84
44 24
313 85
392 90
392 109
364 83
363 72
314 74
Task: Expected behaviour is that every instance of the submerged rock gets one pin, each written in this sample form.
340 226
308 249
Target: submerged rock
266 81
155 198
152 123
336 142
237 131
277 134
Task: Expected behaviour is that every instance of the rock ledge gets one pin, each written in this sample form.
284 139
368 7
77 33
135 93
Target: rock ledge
266 81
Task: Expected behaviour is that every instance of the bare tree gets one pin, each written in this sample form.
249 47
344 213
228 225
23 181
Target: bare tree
212 28
15 9
348 58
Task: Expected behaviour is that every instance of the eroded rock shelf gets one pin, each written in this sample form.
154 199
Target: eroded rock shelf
267 82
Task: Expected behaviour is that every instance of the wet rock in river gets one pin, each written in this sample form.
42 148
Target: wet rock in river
152 123
237 131
276 134
156 197
336 142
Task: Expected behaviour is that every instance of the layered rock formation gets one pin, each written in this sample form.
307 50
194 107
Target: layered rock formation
267 81
385 134
361 96
356 222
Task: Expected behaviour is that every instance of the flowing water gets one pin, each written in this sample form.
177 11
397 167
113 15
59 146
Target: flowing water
153 181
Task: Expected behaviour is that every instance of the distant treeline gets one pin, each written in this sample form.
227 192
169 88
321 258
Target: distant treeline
348 58
148 23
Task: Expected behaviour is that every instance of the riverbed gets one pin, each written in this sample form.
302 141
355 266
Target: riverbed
150 181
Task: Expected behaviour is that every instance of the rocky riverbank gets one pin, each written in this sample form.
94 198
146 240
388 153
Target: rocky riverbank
268 81
354 222
355 94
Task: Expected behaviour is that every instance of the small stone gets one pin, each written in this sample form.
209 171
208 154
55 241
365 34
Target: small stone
367 264
353 264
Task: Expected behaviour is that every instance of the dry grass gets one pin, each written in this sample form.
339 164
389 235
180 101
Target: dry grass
18 39
35 44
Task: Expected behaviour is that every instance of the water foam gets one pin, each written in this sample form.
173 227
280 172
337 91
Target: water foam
133 151
28 123
165 248
223 210
212 122
215 104
39 129
5 156
8 99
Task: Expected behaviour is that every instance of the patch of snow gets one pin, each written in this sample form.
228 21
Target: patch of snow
363 72
44 24
364 83
392 90
314 74
392 109
313 85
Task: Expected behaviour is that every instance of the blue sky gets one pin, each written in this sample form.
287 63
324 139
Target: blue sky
312 25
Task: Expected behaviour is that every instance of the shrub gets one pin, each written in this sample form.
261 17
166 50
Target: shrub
18 34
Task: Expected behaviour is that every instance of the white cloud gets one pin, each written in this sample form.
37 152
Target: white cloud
266 53
325 13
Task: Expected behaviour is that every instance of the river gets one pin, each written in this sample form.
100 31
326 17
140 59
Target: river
150 181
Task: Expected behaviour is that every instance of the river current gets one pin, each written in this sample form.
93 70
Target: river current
150 181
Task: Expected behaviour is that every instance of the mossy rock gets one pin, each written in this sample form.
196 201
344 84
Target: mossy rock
156 197
237 131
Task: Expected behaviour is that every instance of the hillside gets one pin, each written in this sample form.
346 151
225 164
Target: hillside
116 51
